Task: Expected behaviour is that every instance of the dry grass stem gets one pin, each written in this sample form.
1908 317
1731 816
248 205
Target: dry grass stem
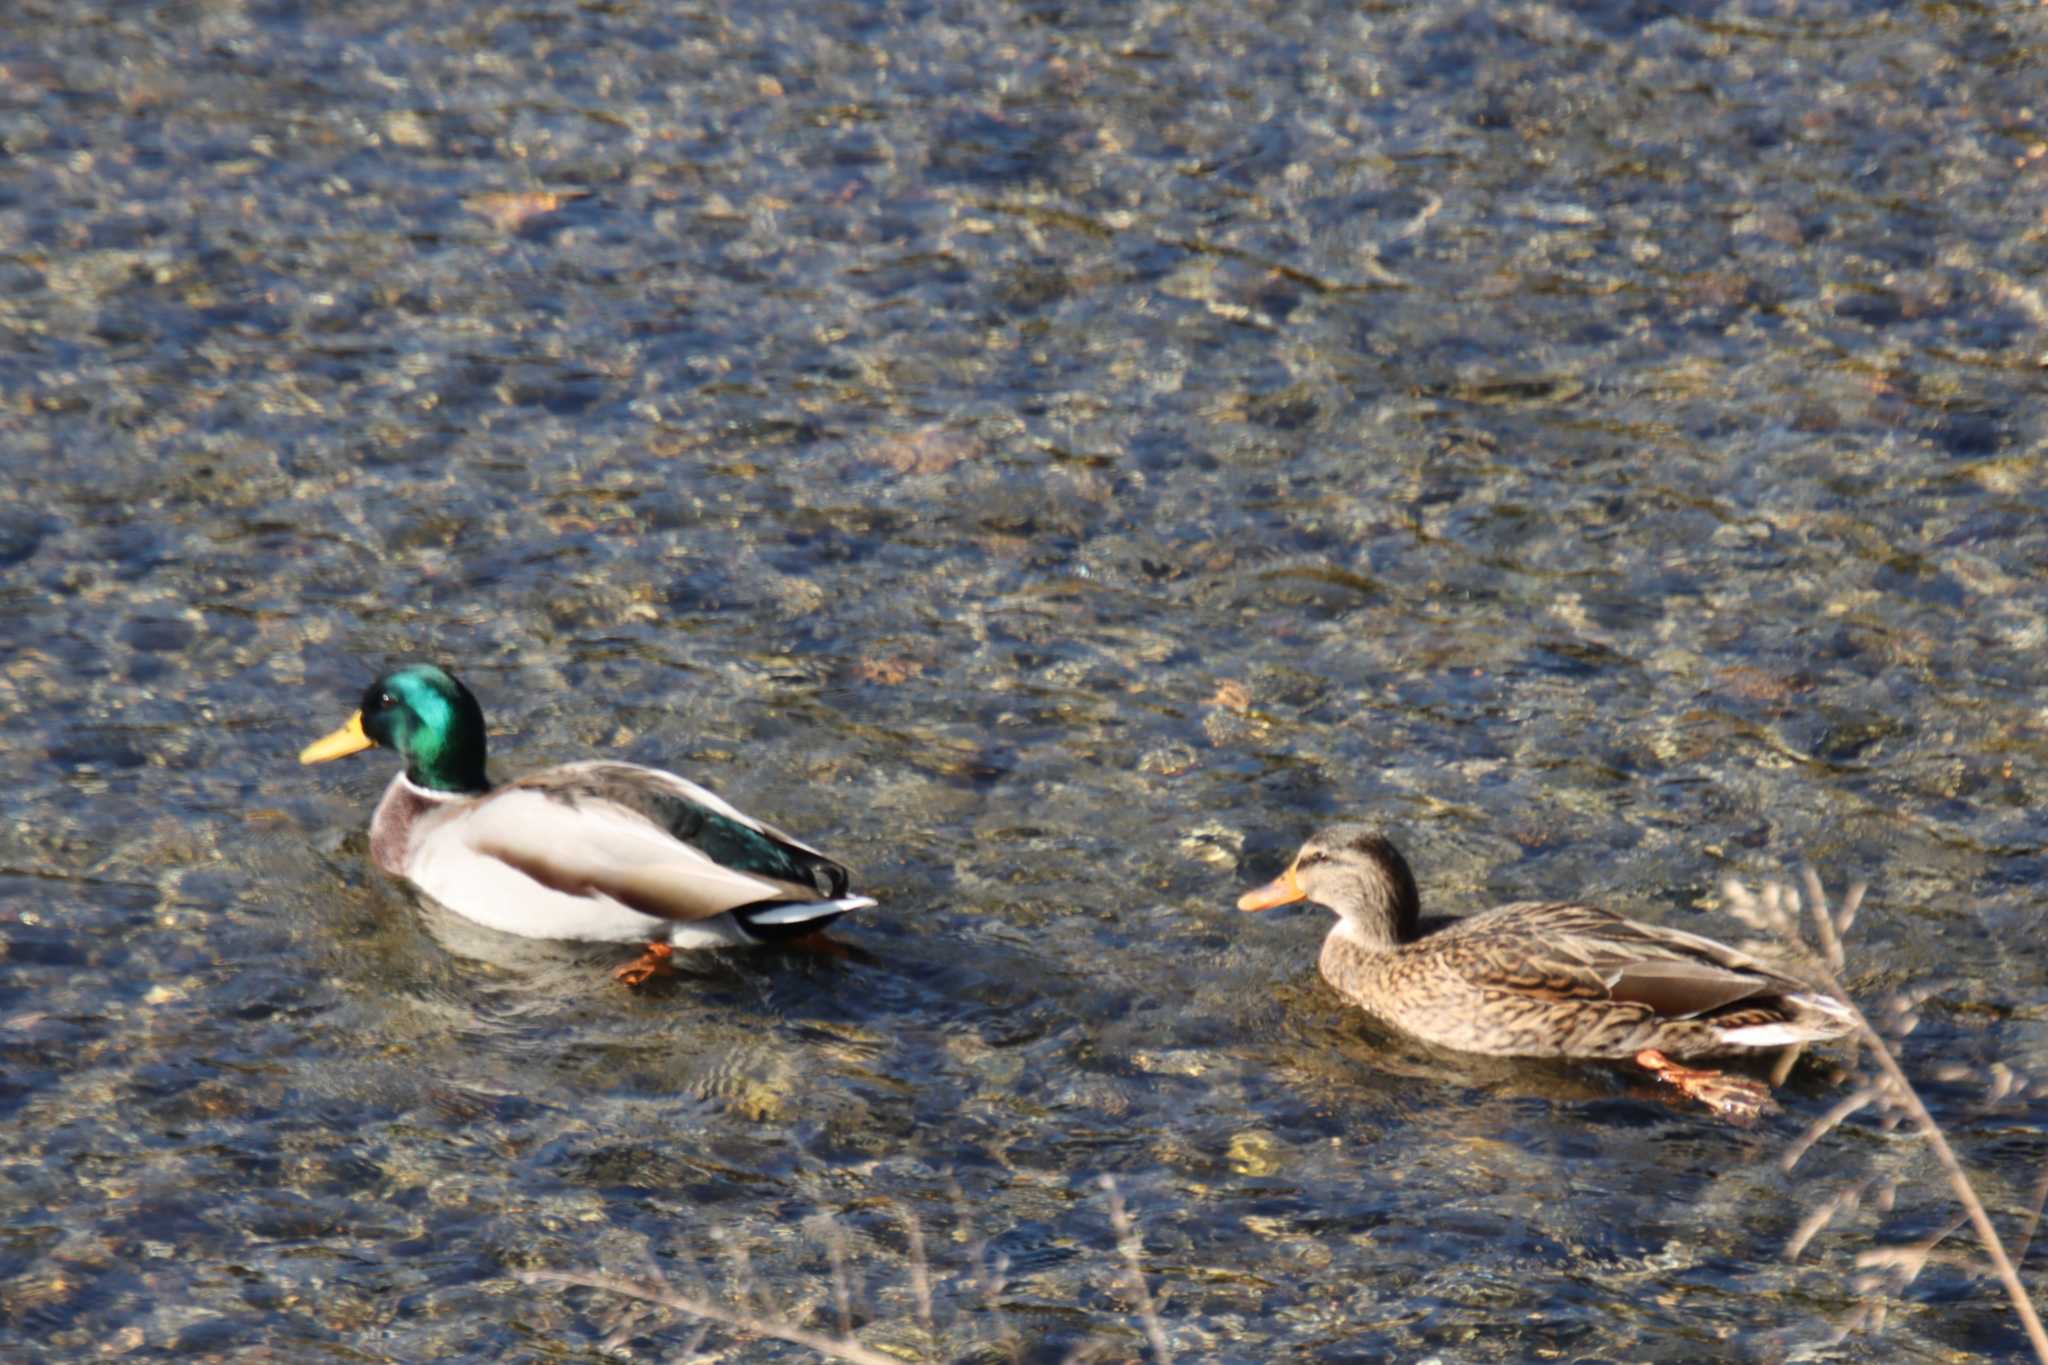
943 1294
2004 1081
1851 899
1906 1262
2035 1201
842 1290
1421 219
1906 1096
1133 1253
1810 1228
1841 1203
740 1267
836 1348
1824 923
991 1272
1844 1109
1959 1181
920 1268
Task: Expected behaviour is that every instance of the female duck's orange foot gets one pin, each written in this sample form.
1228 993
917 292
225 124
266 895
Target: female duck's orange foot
1733 1097
650 964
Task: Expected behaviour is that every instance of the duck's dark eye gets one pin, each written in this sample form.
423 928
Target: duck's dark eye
1311 858
386 699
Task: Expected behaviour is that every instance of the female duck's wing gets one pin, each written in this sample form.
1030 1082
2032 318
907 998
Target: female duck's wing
1566 950
647 839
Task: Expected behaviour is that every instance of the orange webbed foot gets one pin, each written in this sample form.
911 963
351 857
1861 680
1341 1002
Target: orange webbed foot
650 964
1732 1097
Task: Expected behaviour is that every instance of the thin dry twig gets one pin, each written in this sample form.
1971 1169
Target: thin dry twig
920 1267
1841 1202
740 1268
1906 1262
836 1348
1824 923
1810 1227
1851 899
1421 218
991 1272
2035 1201
1827 1123
1959 1181
1909 1099
842 1290
1133 1253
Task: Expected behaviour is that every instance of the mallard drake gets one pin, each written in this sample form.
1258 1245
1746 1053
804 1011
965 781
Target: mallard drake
599 851
1546 978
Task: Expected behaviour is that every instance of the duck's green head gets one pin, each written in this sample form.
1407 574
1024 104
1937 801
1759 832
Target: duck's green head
428 717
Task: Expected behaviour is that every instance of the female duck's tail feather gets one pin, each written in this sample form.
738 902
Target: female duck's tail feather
1814 1017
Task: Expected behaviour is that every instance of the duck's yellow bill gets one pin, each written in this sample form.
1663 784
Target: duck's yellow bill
1282 890
349 739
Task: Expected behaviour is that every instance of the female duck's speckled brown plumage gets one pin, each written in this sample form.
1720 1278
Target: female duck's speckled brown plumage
1545 978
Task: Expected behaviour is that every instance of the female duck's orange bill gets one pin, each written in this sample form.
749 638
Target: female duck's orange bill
349 739
1282 890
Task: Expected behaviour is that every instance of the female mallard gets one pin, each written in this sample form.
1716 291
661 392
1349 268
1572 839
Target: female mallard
1546 978
598 851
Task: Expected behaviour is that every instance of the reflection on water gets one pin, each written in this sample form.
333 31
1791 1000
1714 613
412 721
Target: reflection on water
1057 461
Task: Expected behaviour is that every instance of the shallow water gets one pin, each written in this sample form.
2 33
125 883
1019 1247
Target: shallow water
1054 457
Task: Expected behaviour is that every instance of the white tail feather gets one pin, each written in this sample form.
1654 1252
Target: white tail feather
1827 1005
1827 1017
807 910
1771 1035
